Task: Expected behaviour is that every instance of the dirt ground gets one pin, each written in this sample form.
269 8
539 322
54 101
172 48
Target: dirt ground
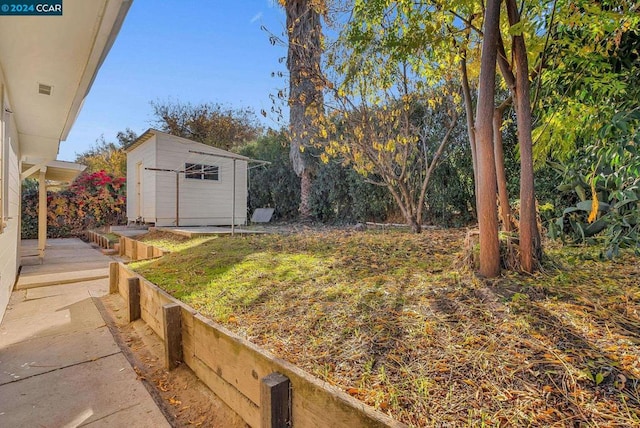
182 397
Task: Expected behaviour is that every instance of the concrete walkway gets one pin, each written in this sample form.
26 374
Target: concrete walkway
59 364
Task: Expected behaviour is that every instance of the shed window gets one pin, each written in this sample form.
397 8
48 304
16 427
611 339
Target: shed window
198 171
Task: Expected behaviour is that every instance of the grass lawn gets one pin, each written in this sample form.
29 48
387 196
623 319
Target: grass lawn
391 319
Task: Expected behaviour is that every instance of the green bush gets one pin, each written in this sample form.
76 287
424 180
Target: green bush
604 178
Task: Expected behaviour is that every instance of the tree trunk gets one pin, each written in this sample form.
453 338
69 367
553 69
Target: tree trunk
486 198
501 176
529 237
306 183
471 127
305 87
405 208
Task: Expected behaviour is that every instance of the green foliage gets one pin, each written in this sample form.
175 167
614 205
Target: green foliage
93 200
339 194
590 74
274 185
107 155
607 172
450 198
207 123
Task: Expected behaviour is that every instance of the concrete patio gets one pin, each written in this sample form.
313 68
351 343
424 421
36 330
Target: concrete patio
59 363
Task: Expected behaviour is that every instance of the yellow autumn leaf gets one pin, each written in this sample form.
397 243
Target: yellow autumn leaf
594 203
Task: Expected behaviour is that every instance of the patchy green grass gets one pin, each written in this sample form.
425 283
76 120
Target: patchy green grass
112 237
172 242
390 318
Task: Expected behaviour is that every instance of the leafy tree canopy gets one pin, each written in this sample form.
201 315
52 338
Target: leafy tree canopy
108 156
207 123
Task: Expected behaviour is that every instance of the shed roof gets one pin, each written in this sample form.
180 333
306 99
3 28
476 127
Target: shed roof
203 148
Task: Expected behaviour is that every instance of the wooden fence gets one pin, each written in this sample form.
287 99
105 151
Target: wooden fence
264 390
137 250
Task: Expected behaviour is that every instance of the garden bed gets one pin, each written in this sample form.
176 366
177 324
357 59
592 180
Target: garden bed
388 318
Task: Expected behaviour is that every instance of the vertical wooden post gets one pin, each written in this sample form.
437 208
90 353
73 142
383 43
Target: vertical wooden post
233 203
114 273
172 324
178 199
149 251
123 242
42 214
133 284
275 401
134 250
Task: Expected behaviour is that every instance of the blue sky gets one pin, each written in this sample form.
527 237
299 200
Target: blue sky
182 50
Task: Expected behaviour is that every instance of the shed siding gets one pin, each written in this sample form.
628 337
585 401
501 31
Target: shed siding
202 202
146 154
10 235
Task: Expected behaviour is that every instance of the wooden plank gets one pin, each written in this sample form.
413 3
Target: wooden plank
151 306
129 247
133 285
187 333
229 359
152 298
314 403
240 404
275 401
141 250
172 322
123 275
114 270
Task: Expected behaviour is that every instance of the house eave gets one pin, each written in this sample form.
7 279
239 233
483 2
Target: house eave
61 53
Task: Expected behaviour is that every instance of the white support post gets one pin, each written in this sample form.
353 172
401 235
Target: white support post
42 214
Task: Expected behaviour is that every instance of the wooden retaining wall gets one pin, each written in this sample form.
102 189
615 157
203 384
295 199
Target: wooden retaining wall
262 389
98 239
137 250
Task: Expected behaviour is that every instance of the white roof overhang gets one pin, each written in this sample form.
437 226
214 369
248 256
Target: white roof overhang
60 52
57 171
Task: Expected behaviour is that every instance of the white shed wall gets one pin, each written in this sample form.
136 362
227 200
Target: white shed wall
145 154
202 202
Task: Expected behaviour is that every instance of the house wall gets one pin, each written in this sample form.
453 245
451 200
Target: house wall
10 182
202 202
146 155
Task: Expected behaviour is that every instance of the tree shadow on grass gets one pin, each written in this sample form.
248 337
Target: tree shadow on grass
553 351
603 374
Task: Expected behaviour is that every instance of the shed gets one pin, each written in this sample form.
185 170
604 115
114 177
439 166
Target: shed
174 181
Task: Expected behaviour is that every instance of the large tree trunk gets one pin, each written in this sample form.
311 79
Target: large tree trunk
486 199
306 187
305 88
529 236
501 176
